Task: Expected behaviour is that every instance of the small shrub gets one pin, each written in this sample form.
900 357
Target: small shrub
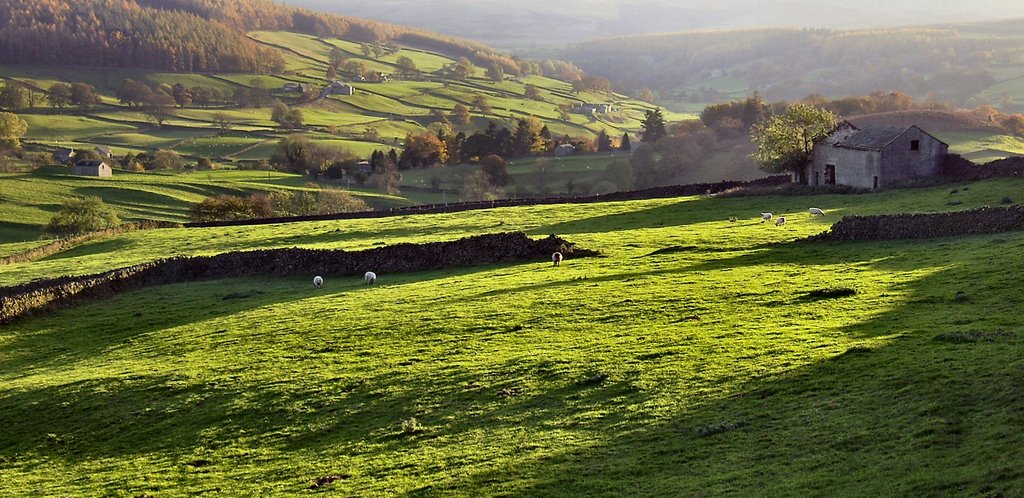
411 426
594 380
962 297
1007 200
76 216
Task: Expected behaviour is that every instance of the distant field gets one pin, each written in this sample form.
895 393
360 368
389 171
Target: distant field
30 200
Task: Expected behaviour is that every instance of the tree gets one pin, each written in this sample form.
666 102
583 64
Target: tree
785 142
532 93
166 159
222 121
182 96
422 150
477 186
158 107
132 93
12 96
82 215
646 95
480 102
603 142
496 170
654 126
625 145
205 164
84 94
388 178
460 115
407 68
59 95
294 149
1014 124
12 128
495 73
289 119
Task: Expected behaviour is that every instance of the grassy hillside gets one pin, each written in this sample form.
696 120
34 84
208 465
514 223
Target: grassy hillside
393 109
967 64
692 359
30 200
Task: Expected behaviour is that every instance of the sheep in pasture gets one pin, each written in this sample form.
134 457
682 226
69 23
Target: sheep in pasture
733 219
781 221
556 258
318 281
816 212
766 217
370 278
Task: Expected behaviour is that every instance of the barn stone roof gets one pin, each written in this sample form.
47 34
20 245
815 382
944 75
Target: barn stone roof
90 164
871 138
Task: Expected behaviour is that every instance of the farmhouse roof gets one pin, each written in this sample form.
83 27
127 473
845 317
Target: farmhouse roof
90 164
876 138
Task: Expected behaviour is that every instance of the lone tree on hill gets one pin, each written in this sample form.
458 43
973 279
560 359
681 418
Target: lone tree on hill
12 128
654 126
785 142
625 145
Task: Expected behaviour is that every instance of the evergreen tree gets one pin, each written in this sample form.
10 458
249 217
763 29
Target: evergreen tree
603 142
654 126
625 145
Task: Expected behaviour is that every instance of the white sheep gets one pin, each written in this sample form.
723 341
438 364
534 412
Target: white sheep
370 278
556 258
816 212
766 217
781 221
318 281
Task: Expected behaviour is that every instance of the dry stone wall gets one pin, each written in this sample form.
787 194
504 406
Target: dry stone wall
651 193
39 296
921 226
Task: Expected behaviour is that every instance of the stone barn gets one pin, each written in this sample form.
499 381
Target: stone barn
874 157
93 168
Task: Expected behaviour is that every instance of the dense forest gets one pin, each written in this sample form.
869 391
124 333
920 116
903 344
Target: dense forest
190 35
951 63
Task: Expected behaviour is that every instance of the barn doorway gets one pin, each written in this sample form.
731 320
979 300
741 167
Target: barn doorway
830 174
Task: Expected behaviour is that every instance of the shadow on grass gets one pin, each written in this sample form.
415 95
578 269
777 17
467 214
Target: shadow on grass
907 415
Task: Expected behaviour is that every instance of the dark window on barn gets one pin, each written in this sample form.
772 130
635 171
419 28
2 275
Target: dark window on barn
915 145
830 174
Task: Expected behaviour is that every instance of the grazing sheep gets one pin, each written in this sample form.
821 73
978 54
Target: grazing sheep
318 281
556 258
817 212
781 221
370 278
733 219
766 217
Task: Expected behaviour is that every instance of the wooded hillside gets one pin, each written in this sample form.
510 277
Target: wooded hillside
190 35
952 64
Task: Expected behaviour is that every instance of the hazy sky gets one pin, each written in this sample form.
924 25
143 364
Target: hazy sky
555 22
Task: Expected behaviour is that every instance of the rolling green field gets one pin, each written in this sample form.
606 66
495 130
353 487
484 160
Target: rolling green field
692 358
30 200
393 108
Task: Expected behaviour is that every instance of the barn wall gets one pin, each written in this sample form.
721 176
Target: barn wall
899 163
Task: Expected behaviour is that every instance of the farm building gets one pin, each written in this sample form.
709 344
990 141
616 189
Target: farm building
93 168
593 109
104 152
63 155
873 157
339 88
